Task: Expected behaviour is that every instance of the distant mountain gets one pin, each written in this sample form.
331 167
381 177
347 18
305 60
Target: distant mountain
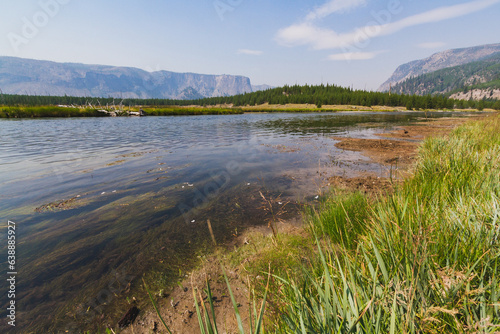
472 80
37 77
439 61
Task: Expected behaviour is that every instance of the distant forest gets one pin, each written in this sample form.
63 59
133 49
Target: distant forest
319 95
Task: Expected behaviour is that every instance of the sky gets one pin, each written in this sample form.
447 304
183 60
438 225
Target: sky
356 43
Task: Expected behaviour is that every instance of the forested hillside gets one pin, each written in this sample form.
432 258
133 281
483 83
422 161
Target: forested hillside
484 74
439 61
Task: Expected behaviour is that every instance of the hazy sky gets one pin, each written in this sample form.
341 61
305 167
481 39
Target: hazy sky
276 42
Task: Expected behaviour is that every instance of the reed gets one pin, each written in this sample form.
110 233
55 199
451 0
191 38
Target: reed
426 259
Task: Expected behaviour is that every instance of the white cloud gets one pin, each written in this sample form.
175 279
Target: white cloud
347 56
249 52
308 33
334 6
431 45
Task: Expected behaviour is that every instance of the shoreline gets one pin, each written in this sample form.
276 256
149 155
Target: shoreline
40 112
176 307
373 186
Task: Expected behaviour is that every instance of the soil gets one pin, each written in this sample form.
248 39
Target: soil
370 185
401 149
178 308
383 151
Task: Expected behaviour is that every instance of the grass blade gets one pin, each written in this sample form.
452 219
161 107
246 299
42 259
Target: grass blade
235 305
156 307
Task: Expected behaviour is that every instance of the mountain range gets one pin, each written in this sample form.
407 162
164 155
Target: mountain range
39 77
466 73
421 76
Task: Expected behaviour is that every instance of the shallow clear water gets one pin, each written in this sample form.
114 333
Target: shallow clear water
141 189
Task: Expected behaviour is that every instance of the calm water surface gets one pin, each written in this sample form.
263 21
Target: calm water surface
98 202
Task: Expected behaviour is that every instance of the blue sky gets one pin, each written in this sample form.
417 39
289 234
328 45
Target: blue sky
345 42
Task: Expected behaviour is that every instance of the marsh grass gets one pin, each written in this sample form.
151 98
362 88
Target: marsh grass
342 218
52 111
46 111
426 259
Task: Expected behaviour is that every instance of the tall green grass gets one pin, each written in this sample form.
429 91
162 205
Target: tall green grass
422 260
342 218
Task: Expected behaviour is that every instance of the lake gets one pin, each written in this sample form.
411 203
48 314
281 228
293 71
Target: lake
99 202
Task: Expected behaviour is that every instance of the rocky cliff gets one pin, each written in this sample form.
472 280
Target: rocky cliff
36 77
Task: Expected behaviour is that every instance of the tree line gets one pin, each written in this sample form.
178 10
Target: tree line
319 95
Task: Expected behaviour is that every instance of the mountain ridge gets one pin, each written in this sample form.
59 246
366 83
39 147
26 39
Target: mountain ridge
438 61
42 77
482 75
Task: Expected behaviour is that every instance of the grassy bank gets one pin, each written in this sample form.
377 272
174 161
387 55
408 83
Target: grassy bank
422 260
46 111
51 111
266 107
